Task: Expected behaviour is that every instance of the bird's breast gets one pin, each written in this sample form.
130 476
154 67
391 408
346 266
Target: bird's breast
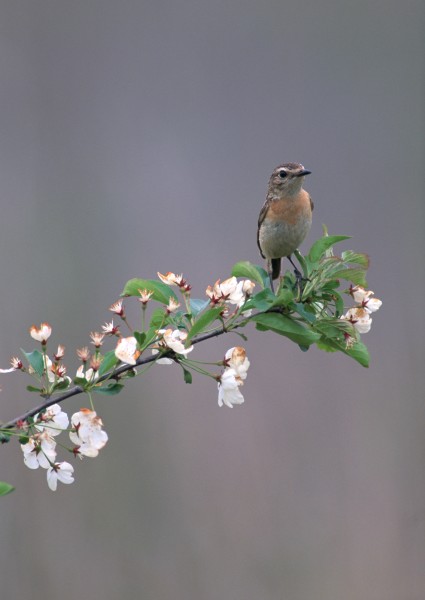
285 226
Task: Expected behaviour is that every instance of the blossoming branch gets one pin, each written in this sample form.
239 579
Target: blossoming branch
310 311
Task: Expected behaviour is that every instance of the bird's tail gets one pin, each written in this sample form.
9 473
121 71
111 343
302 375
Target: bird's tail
275 268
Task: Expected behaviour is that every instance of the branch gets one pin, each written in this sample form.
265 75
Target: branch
116 374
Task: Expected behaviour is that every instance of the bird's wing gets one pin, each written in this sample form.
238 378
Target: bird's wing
261 218
311 204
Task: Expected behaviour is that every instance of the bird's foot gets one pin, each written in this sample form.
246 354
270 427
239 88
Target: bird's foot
300 281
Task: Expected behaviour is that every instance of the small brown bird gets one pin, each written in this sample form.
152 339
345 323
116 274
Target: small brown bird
285 218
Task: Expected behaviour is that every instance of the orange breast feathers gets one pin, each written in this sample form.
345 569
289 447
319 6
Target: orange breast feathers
291 208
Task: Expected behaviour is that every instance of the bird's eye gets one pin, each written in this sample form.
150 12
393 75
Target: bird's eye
282 174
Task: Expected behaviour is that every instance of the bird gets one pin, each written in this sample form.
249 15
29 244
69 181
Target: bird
285 218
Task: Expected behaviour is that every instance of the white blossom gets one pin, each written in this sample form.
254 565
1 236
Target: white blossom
228 389
171 278
360 318
42 333
237 359
63 472
88 374
175 341
53 420
364 299
126 350
87 432
39 451
230 291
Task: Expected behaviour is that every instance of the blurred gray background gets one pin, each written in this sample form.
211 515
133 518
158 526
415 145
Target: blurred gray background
137 137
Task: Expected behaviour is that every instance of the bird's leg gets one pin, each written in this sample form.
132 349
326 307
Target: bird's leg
270 271
298 276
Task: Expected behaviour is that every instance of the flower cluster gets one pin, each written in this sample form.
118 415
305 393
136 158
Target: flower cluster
171 340
39 442
230 291
360 315
236 368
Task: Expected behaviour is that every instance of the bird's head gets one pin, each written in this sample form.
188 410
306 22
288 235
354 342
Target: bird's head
287 178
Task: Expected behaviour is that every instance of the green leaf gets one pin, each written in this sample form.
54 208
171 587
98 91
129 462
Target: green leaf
261 301
108 363
158 318
187 375
303 262
357 276
109 390
322 345
5 488
140 337
334 328
61 385
204 320
310 317
286 326
333 338
32 388
161 291
36 360
319 247
129 374
284 297
330 286
253 272
339 304
360 353
150 335
5 436
198 305
348 256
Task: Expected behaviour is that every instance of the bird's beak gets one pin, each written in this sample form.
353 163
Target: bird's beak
303 172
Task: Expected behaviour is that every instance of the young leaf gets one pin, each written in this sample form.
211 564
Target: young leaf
5 436
202 322
310 317
348 256
32 388
140 337
158 318
283 325
357 276
326 347
198 305
284 297
319 247
360 353
303 262
187 375
36 360
161 291
61 385
150 336
253 272
261 301
109 390
108 363
5 488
